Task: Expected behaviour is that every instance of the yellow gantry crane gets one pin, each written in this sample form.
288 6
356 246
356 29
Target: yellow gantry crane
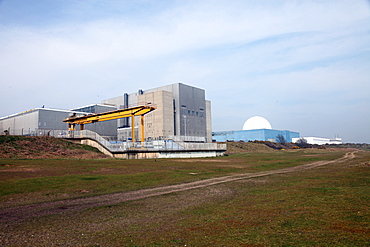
111 115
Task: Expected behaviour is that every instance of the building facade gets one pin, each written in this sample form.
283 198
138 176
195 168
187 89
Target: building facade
107 129
182 113
319 140
45 121
39 121
254 135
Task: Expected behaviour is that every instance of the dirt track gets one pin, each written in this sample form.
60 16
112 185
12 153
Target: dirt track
15 214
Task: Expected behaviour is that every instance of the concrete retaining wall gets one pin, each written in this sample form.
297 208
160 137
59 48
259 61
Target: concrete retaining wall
97 145
152 155
194 154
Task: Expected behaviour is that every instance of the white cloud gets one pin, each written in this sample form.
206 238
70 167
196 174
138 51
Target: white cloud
254 56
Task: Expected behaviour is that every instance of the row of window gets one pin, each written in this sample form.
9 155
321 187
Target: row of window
192 113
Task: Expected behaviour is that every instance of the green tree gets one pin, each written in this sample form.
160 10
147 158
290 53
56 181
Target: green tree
280 139
302 143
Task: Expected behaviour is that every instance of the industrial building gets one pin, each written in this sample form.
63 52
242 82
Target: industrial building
254 129
39 121
253 135
182 114
319 140
45 121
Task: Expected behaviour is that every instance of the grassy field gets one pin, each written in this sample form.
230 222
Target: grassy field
32 181
323 206
44 147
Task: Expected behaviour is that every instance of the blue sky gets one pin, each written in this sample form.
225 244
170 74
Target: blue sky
303 65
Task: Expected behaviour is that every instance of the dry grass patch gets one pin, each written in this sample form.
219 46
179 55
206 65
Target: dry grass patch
245 147
323 206
45 147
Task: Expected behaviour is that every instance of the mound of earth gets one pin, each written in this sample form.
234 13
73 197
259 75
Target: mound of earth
45 147
246 147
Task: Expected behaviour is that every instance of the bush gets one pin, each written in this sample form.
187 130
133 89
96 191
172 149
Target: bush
302 143
280 139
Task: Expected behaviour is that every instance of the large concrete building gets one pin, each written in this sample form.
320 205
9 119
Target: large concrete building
182 114
39 121
45 121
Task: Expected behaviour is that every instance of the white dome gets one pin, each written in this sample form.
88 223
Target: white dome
256 122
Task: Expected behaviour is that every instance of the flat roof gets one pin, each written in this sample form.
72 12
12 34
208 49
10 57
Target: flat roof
37 109
106 105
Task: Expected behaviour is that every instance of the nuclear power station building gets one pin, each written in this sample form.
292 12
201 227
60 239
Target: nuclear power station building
182 114
255 129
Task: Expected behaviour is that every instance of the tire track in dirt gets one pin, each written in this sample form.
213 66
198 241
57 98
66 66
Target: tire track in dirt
15 214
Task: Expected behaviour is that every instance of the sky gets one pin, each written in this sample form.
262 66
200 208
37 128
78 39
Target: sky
304 65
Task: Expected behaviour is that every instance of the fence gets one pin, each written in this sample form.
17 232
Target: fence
115 146
157 145
34 132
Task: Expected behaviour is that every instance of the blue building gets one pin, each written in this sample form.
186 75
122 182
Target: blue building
253 135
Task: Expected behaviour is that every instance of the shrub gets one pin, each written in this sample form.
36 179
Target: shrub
302 143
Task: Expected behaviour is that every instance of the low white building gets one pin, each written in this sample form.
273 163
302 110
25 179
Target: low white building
319 140
47 121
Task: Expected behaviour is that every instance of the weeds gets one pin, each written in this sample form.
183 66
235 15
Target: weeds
32 147
323 206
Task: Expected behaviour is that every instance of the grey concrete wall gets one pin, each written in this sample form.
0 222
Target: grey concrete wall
50 119
106 128
209 121
97 145
160 122
185 113
22 123
193 111
40 118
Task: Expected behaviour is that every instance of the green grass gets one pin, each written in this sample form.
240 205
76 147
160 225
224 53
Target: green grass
288 210
109 176
325 206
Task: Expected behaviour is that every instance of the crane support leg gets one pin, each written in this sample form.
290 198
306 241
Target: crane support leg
142 128
133 128
71 126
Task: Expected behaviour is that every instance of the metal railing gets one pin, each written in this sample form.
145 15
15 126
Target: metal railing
34 132
187 138
116 146
155 145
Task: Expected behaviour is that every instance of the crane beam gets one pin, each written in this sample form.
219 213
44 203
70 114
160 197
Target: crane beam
111 115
